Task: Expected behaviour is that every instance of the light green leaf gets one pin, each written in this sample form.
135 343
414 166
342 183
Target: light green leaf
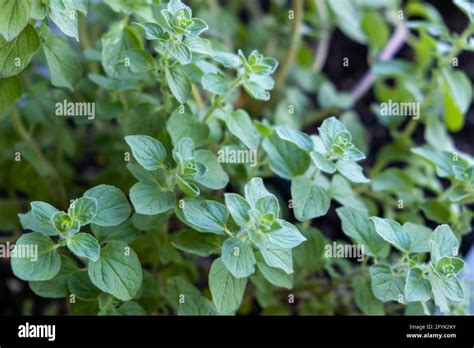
322 162
227 291
64 14
83 210
386 286
240 125
255 90
113 207
419 236
153 31
341 191
310 254
356 224
148 151
445 243
286 159
57 286
286 236
185 125
149 199
117 272
300 139
41 218
201 244
275 276
238 257
392 232
35 258
13 17
309 201
352 171
84 245
197 305
215 177
205 216
417 288
348 18
278 258
467 6
137 60
215 83
64 67
179 83
15 55
254 190
64 224
81 286
238 208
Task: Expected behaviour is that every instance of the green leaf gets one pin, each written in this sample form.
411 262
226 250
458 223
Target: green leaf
309 201
197 305
310 254
179 83
183 150
10 92
215 178
180 52
118 39
64 67
341 191
351 171
348 19
83 210
84 245
148 151
238 208
300 139
450 265
417 288
386 286
254 190
446 243
322 162
15 55
64 224
215 83
205 216
185 125
364 298
419 236
286 159
240 125
35 258
255 90
117 272
81 286
137 60
375 29
57 286
275 276
201 244
285 236
467 7
330 129
443 160
124 232
392 232
41 218
445 288
227 291
149 199
13 17
238 257
356 224
64 14
278 258
152 30
112 205
460 88
188 187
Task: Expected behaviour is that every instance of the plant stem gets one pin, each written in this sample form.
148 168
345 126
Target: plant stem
298 6
324 39
197 96
217 101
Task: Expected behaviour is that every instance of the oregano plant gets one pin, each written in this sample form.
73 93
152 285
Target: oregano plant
191 158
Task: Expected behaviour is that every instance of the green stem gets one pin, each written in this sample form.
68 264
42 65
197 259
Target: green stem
217 101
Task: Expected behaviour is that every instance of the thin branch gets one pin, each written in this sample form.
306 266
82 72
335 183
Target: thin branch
324 38
298 6
393 46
